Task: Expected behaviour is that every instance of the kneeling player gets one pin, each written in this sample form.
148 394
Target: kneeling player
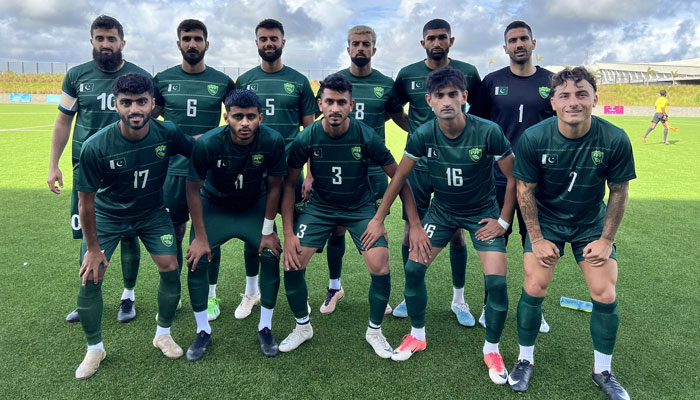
340 150
561 170
460 151
238 170
123 167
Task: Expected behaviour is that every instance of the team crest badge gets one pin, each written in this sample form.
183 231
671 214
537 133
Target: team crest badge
475 154
379 92
167 240
597 156
258 159
160 150
356 152
213 89
544 91
300 206
289 87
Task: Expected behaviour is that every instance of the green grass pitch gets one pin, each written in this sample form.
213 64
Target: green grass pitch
657 288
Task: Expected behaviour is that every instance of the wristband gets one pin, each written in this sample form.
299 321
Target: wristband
268 224
503 223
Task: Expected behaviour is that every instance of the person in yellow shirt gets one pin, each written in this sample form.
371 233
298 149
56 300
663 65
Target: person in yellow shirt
661 115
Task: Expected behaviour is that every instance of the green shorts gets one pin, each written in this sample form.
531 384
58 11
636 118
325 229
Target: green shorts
74 217
223 223
175 198
577 236
422 188
378 184
155 231
314 226
440 225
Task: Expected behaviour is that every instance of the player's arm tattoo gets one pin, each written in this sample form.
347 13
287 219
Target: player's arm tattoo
528 208
617 204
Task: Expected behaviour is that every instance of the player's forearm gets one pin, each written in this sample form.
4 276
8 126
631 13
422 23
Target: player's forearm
528 209
194 203
395 186
617 204
61 134
274 186
409 204
509 201
288 200
88 220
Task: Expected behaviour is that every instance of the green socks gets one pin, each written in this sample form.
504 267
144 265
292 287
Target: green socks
251 261
496 306
269 280
213 269
334 254
604 323
90 311
297 294
404 253
131 256
198 284
458 262
168 297
529 318
415 293
379 291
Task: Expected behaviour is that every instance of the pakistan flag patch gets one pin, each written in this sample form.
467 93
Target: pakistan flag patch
258 159
289 87
356 152
475 154
213 89
160 150
597 156
544 91
167 240
379 92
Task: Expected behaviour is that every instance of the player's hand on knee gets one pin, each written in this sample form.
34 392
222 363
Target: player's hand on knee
55 175
306 187
198 248
419 243
271 242
546 252
375 230
90 269
597 252
291 252
491 230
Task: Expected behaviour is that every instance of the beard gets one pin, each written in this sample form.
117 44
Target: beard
437 55
360 61
192 57
520 60
126 121
107 61
270 57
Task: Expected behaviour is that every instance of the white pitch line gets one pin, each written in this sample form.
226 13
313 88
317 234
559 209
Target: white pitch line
25 128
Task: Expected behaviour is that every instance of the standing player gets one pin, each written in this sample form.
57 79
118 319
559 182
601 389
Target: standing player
190 95
515 97
374 101
233 167
340 150
123 168
461 150
561 169
289 102
87 92
661 105
410 88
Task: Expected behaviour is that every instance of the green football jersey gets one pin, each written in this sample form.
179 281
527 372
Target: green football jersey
192 101
286 97
234 175
128 176
339 165
87 91
374 98
461 169
570 173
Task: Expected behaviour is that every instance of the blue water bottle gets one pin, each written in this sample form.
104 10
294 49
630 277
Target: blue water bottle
575 304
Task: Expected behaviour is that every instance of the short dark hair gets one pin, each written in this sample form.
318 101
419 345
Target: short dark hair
243 99
576 74
662 92
516 25
107 22
336 82
133 83
270 23
437 23
190 25
443 77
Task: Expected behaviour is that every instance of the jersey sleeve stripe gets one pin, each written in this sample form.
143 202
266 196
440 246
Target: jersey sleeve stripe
411 156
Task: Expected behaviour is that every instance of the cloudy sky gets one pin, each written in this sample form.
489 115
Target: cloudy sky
566 30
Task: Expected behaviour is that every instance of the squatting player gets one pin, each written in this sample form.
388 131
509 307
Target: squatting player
289 102
460 150
238 170
190 94
374 102
561 167
87 92
410 88
340 150
515 97
123 168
